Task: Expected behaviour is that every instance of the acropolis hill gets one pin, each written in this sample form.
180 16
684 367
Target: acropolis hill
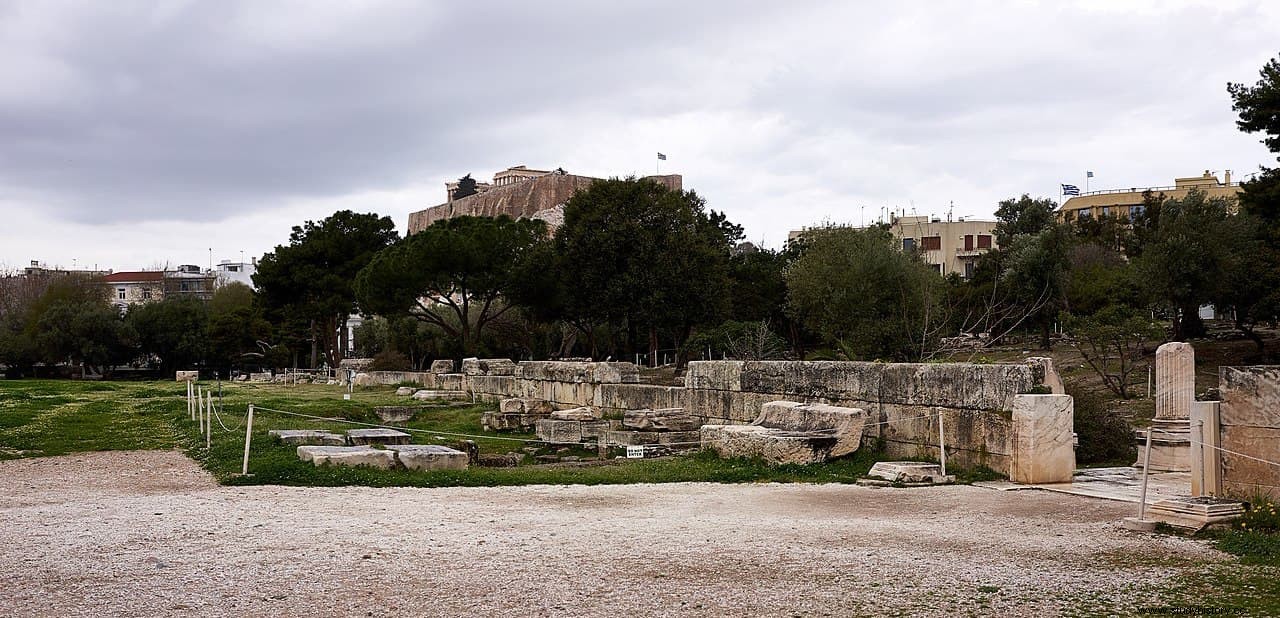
518 192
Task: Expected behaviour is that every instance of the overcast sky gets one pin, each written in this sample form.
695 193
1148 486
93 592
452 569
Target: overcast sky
134 134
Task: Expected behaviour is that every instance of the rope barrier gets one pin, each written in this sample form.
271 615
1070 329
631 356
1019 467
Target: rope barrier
1202 443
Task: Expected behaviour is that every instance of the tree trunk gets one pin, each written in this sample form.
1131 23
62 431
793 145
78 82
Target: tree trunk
653 346
1046 343
315 349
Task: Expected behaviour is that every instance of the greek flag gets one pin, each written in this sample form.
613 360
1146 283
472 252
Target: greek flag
1070 190
662 157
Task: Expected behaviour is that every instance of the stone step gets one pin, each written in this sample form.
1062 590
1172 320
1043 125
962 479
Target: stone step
299 437
364 437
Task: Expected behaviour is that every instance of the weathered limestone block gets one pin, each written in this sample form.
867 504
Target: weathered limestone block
497 421
669 419
830 379
442 365
739 407
583 413
559 432
845 424
1043 450
909 472
429 457
348 456
714 375
637 396
405 391
187 376
260 377
307 437
395 414
592 430
499 387
616 373
773 445
1175 380
525 405
425 395
363 379
364 437
451 382
631 438
488 367
1250 425
556 371
678 440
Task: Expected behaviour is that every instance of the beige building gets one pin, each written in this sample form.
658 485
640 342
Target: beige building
1127 203
127 288
950 246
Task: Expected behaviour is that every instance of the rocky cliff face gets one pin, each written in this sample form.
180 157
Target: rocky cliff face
539 198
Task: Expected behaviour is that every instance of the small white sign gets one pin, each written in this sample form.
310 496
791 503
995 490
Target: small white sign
346 396
635 452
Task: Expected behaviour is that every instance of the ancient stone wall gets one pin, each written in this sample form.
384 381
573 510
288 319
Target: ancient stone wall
541 198
906 400
975 402
1249 418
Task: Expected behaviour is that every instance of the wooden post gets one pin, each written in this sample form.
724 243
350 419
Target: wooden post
248 435
200 407
208 422
191 410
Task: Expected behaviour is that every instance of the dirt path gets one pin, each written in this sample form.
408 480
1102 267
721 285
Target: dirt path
148 533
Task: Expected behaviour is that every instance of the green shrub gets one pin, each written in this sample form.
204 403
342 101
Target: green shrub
1105 437
390 360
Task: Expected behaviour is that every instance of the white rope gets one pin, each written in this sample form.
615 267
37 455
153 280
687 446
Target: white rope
1201 443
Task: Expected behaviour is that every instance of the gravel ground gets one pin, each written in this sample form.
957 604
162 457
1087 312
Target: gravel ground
149 533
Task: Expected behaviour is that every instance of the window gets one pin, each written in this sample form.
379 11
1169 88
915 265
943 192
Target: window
1106 211
1136 211
908 244
968 242
984 241
1085 213
968 270
931 243
146 294
233 269
937 267
120 293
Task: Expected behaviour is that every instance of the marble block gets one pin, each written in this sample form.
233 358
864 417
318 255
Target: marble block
910 472
362 437
1043 450
302 437
1175 380
347 456
429 457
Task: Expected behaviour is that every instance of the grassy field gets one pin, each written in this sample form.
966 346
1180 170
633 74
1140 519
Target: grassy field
41 418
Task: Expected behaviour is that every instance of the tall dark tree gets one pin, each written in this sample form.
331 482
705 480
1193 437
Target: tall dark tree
236 327
454 274
171 332
1024 215
466 186
635 252
862 294
310 279
1186 258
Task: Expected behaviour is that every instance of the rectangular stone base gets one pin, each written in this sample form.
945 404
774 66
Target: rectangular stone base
1198 512
1170 446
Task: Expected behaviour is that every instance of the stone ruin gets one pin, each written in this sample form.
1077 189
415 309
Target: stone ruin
374 447
1011 417
1175 392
